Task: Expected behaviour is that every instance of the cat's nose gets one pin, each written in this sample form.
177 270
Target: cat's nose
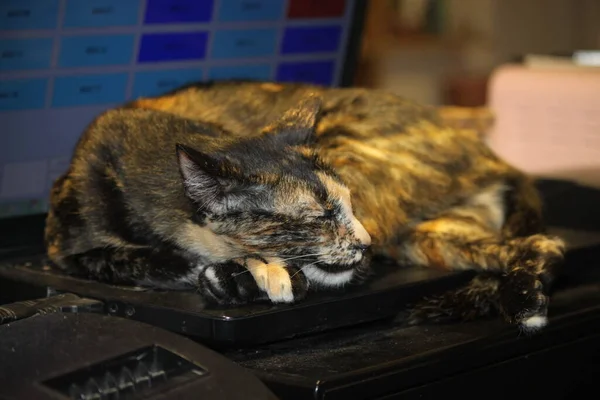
360 234
361 247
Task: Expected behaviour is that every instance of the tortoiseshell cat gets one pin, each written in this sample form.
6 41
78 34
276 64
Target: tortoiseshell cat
293 183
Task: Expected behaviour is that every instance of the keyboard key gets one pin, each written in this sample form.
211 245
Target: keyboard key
244 43
298 40
153 83
96 13
316 8
21 54
174 11
28 14
259 72
316 72
72 91
86 51
173 46
23 94
250 10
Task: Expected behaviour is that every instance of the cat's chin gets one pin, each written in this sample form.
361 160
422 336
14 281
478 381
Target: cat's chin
337 275
322 277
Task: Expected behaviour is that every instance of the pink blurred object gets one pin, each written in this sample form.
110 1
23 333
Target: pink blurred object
547 120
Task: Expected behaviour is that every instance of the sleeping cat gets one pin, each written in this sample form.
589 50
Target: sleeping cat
250 190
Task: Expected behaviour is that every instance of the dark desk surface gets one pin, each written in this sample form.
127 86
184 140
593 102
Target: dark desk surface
376 360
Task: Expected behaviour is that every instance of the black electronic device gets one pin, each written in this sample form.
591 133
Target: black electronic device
186 313
90 356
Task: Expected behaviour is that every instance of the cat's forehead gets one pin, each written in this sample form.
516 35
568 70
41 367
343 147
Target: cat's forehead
334 187
293 199
317 194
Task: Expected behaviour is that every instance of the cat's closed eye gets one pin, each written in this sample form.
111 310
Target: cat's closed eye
328 214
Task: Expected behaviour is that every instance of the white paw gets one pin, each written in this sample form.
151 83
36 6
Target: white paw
534 323
273 279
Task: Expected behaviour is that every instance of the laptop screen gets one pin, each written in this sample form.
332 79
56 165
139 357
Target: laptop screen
62 62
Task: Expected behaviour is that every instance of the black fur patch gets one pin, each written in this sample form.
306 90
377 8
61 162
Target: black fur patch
234 284
521 296
300 284
119 220
67 212
126 266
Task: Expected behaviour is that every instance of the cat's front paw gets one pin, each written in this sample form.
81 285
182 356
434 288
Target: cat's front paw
523 301
227 283
281 283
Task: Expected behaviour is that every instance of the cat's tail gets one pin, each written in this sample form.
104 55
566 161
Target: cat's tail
479 298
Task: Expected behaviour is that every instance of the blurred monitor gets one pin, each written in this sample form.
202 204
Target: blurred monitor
62 62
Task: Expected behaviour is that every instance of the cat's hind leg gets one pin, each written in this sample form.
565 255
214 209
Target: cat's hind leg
517 271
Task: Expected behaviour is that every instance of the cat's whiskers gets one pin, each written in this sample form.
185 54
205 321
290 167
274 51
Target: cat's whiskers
304 266
248 268
303 256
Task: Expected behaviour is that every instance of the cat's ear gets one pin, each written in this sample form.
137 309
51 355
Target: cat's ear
205 178
297 125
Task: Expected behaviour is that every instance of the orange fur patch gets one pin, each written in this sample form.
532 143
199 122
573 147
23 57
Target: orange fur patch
271 87
432 252
159 103
202 240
